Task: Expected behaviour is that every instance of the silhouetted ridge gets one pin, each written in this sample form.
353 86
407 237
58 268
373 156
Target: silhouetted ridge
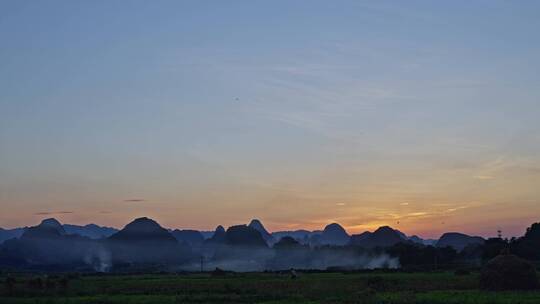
358 239
458 241
218 237
191 237
386 236
48 228
217 240
257 225
143 245
334 234
287 243
416 239
53 223
7 234
145 241
92 231
300 235
143 229
533 232
219 229
47 244
382 237
244 236
289 253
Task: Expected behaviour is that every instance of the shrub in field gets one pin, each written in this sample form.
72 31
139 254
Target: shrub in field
50 284
10 285
218 272
366 294
35 283
508 272
462 272
377 283
64 282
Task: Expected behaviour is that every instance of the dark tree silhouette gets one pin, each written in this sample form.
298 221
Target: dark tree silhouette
508 272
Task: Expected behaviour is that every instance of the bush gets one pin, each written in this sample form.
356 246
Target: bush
35 283
377 283
50 283
218 272
10 285
367 293
64 282
462 272
508 272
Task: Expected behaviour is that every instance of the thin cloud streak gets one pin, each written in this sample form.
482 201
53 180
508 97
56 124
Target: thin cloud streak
135 200
54 213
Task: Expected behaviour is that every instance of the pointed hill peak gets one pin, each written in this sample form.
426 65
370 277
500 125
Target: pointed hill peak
257 225
384 228
244 235
218 236
143 229
458 240
52 222
143 224
92 226
384 236
390 230
334 227
48 228
219 229
334 234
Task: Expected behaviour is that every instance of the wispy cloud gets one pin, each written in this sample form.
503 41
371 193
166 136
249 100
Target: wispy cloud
320 103
53 212
135 200
456 208
484 177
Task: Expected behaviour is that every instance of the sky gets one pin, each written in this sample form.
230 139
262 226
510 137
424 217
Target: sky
421 115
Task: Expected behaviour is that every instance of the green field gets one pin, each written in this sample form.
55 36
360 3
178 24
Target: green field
368 287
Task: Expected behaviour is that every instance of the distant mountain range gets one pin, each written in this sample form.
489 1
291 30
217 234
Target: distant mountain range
144 244
45 245
333 235
91 231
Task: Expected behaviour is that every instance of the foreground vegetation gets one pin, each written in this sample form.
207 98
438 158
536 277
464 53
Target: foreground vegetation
363 287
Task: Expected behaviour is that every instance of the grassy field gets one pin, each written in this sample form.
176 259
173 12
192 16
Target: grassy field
372 287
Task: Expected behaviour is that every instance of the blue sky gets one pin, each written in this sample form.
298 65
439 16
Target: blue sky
297 112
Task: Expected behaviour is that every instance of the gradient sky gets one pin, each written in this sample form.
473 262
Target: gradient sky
422 115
